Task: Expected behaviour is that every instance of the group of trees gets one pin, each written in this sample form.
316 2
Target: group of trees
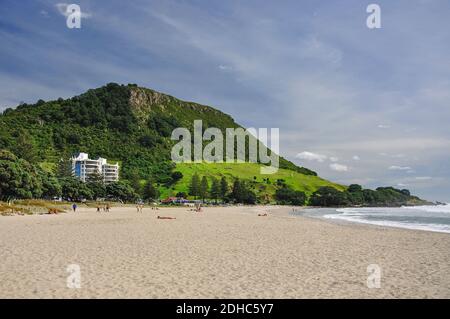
20 179
240 191
355 195
287 196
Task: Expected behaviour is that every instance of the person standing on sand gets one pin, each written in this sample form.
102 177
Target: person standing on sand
98 209
74 207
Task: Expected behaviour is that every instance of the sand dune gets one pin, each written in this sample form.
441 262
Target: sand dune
219 253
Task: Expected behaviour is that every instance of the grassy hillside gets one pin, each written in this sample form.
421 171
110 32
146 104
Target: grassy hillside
133 125
124 123
261 184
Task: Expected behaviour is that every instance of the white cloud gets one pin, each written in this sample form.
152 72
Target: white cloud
44 13
62 8
399 168
423 178
339 167
225 67
383 126
356 158
334 159
401 185
311 156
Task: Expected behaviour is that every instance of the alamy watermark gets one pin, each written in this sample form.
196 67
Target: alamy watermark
374 278
374 19
73 13
73 281
241 145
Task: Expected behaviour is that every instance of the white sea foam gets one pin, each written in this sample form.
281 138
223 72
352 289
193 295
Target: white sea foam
358 219
431 209
430 218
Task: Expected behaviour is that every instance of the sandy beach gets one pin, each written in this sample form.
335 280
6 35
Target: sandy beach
218 253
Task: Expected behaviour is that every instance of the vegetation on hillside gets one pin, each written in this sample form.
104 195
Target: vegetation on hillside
132 125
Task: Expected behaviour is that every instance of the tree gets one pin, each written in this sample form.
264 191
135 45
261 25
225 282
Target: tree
96 185
50 185
204 188
249 197
328 196
176 176
236 192
148 141
355 194
223 188
215 189
353 188
18 178
24 147
241 193
135 182
286 195
75 190
181 195
64 168
194 187
122 191
150 192
406 192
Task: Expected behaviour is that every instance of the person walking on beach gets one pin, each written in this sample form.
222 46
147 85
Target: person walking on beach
107 208
74 207
98 208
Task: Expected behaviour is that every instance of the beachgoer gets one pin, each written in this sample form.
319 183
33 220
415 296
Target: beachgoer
164 217
74 207
98 209
107 207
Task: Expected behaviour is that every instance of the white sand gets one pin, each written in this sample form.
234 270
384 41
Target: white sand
219 253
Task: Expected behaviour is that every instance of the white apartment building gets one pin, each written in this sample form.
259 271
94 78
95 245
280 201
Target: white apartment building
83 167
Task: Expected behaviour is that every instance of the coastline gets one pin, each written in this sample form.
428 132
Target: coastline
226 252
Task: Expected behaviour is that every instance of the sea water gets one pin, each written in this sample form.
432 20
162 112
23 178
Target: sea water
430 218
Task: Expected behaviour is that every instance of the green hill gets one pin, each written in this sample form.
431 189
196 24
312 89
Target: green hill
260 184
133 125
124 123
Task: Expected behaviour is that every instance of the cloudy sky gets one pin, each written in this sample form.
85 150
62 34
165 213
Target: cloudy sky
358 105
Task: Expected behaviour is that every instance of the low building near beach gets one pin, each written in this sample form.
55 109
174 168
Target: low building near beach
83 167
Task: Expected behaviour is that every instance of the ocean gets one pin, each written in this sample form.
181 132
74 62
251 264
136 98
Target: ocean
429 218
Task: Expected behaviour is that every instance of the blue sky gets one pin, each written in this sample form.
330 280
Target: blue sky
358 105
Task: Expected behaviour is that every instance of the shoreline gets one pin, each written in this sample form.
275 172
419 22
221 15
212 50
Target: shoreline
219 253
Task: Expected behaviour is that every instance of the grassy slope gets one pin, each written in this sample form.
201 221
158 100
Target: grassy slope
247 171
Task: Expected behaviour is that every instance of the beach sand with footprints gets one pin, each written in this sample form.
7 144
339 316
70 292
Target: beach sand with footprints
226 252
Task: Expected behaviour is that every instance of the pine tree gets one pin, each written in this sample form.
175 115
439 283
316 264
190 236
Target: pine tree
215 189
194 187
24 148
236 193
223 188
96 185
64 168
135 182
150 192
204 188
